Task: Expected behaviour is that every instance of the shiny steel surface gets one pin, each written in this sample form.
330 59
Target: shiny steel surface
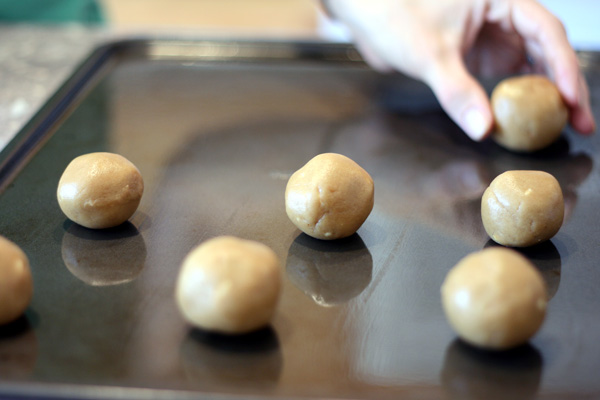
216 136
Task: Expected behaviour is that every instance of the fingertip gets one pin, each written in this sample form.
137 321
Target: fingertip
581 115
476 123
462 97
582 120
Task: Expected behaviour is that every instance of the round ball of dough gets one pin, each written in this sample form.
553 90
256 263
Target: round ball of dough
529 112
16 284
330 197
229 285
522 208
100 190
494 298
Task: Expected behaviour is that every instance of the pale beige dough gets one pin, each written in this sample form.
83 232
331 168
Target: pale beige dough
494 298
100 190
229 285
522 208
330 197
529 113
16 284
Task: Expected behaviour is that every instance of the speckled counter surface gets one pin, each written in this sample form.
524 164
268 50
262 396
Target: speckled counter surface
34 62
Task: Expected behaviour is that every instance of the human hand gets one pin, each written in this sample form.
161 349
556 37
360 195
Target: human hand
438 41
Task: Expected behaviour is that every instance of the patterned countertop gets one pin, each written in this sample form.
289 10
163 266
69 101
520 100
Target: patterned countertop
34 62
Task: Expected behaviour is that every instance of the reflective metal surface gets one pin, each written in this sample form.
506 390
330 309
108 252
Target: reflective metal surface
216 139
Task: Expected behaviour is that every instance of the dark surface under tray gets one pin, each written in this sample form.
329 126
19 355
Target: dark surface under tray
216 128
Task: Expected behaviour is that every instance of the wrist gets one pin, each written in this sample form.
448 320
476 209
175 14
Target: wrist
326 7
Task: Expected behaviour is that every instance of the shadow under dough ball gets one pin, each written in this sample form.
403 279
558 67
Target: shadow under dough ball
229 285
522 208
330 197
494 298
529 113
16 283
100 190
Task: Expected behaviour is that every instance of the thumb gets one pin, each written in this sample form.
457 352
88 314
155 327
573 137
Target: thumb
461 96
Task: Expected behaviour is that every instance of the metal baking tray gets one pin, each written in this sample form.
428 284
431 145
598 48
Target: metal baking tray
216 128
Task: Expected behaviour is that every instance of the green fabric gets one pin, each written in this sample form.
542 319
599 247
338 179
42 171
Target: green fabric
51 11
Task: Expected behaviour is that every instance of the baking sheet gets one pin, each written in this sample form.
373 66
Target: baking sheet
216 128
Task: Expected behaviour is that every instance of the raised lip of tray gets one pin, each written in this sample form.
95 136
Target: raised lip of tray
43 123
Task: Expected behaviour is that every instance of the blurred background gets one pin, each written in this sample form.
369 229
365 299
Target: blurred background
245 15
258 17
299 17
283 18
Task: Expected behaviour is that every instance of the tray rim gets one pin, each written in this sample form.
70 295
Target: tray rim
41 126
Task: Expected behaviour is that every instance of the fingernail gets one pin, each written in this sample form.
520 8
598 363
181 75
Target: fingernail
475 124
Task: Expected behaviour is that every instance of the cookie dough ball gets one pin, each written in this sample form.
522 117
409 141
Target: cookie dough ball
229 285
100 190
494 298
330 197
529 112
522 208
16 284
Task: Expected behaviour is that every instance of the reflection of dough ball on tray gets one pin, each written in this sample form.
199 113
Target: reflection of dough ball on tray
494 298
330 273
210 360
100 190
522 208
16 284
330 197
102 257
229 285
19 349
469 373
529 113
